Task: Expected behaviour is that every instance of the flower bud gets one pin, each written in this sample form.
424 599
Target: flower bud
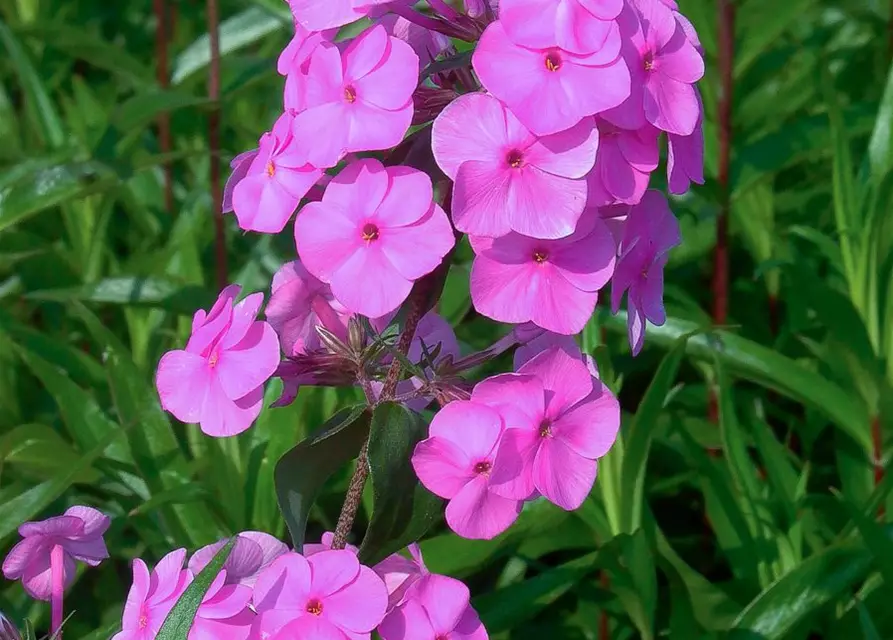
356 335
331 342
8 630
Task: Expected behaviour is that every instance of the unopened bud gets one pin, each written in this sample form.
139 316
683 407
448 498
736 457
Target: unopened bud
8 630
332 343
356 334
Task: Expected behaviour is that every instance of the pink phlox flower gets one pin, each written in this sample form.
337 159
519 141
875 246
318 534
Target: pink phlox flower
399 573
276 180
427 44
625 161
577 26
299 303
299 48
78 531
217 380
240 165
508 179
455 463
358 100
223 613
664 66
547 88
437 608
316 15
329 595
552 283
685 157
153 595
559 420
253 552
325 544
651 230
375 232
547 340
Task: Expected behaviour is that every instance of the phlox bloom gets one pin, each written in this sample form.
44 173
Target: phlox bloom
578 26
685 158
78 531
240 165
217 380
552 283
374 233
455 463
399 573
624 164
547 88
299 48
316 15
253 552
547 340
153 595
436 608
508 179
558 421
358 100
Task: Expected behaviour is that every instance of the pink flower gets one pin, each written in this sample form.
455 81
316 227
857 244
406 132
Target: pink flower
547 340
506 178
685 160
223 612
316 16
240 165
664 66
578 26
651 230
455 461
217 381
253 552
624 164
78 532
552 283
360 100
558 421
299 303
329 595
376 231
550 89
437 607
275 181
302 44
152 596
399 573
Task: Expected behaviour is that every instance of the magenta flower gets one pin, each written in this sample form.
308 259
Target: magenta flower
329 595
223 612
240 165
253 552
275 181
300 303
359 100
314 15
578 26
399 573
552 283
217 381
650 231
299 48
152 596
455 461
685 159
506 178
624 164
558 421
376 231
437 607
548 88
547 340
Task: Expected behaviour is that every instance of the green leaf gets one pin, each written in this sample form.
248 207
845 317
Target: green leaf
760 24
144 108
179 621
879 159
133 290
301 473
876 538
403 509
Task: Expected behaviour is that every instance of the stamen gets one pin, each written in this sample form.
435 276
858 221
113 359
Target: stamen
483 467
540 256
553 61
271 170
515 158
314 607
545 429
370 232
350 94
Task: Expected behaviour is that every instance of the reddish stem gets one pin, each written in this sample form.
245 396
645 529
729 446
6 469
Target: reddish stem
214 143
877 454
57 577
162 36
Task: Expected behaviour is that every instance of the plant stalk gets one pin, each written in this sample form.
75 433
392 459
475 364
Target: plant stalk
214 143
57 577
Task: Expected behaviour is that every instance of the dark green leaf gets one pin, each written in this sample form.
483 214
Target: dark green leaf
153 292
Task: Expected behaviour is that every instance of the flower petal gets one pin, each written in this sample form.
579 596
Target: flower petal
473 427
591 427
441 466
479 514
563 476
512 475
183 381
565 379
360 605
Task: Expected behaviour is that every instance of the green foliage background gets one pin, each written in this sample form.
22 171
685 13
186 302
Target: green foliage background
772 523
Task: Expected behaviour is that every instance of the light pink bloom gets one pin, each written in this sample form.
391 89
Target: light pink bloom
455 461
664 66
651 230
506 178
437 607
315 15
399 573
152 596
375 232
358 100
253 552
578 26
277 178
552 283
624 164
78 532
299 48
550 89
299 303
217 380
547 340
329 595
240 165
685 160
558 421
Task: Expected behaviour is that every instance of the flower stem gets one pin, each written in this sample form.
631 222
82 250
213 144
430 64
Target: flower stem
57 576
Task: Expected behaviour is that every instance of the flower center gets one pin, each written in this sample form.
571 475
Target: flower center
545 429
314 607
540 256
483 467
648 61
144 619
213 358
370 232
553 61
514 158
350 94
270 169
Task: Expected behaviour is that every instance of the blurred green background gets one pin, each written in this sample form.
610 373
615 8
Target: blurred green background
747 497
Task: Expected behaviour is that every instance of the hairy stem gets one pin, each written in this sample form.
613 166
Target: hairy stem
214 143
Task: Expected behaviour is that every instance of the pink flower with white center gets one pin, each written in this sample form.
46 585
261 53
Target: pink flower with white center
685 158
375 232
217 380
650 231
275 181
253 552
578 26
328 595
548 88
359 100
455 463
300 303
558 419
315 15
152 596
436 608
664 66
400 573
552 283
508 179
624 164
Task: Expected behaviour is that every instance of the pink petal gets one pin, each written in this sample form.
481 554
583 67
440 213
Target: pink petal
250 363
91 551
563 307
570 153
167 577
139 590
390 86
473 427
590 429
471 127
530 22
284 584
479 514
360 605
445 600
183 381
316 16
441 466
234 628
38 576
408 622
326 238
418 249
368 284
588 262
223 417
372 128
310 627
562 476
262 204
244 315
672 106
409 198
512 475
542 205
565 378
360 188
469 627
505 292
239 165
365 52
332 570
323 80
22 554
480 198
613 80
520 400
322 127
227 602
58 526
